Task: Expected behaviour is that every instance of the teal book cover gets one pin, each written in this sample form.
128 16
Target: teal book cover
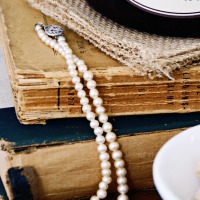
3 195
78 129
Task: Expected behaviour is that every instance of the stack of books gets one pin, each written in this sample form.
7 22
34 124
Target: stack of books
59 160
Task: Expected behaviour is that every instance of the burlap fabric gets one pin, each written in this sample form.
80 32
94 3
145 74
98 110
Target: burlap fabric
146 54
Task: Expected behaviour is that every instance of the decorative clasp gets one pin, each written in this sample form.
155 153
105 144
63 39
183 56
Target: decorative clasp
53 30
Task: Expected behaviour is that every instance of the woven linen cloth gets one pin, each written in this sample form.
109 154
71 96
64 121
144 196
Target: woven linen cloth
146 54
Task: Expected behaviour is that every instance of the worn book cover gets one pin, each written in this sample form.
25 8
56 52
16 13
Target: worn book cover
42 87
60 160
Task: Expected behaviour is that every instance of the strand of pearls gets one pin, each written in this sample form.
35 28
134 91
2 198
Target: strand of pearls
76 66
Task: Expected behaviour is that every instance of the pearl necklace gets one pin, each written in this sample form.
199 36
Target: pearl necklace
53 36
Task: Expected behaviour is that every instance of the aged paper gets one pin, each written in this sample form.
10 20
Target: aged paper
6 98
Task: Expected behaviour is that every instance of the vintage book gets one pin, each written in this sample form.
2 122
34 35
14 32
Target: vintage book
138 195
61 157
42 87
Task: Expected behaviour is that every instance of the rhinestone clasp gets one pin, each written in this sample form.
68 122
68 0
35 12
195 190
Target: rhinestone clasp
53 30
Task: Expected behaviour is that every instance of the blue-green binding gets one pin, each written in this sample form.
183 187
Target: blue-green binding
77 129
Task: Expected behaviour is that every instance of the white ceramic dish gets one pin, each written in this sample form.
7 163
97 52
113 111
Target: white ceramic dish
170 8
175 165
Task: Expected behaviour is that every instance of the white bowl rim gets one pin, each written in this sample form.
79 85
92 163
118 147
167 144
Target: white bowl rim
187 9
159 183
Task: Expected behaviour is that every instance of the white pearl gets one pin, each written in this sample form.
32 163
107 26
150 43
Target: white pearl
88 75
94 93
106 172
107 127
111 137
84 100
103 185
91 84
122 189
107 179
90 115
122 197
73 73
104 156
121 180
62 53
82 68
65 45
41 33
41 30
97 101
48 41
98 131
86 109
100 139
62 43
119 163
69 56
67 50
81 93
60 38
75 79
94 124
103 118
80 62
56 47
105 165
116 155
101 148
44 38
94 198
69 61
113 146
101 194
76 59
72 67
78 86
52 43
100 109
121 172
38 27
60 50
